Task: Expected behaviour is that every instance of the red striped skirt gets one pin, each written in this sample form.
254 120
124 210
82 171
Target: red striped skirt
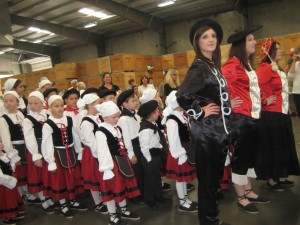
180 173
21 174
118 188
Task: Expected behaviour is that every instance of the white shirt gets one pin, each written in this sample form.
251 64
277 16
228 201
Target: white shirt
104 157
130 130
29 136
87 134
296 78
17 118
142 88
149 140
175 146
76 119
47 142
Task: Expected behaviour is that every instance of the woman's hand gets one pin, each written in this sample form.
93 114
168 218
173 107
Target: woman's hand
271 100
38 163
211 109
236 102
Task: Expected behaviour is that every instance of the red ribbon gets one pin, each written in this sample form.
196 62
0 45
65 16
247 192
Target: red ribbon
71 109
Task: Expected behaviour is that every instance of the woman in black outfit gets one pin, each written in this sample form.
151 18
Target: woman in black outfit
204 95
172 82
107 83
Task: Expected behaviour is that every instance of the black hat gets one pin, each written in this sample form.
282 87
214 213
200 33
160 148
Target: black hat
106 92
239 36
123 96
89 91
71 91
147 108
207 23
48 91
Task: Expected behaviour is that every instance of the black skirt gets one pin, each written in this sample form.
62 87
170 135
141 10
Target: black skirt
277 156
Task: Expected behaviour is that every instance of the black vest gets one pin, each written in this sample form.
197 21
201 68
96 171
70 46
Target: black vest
5 167
183 129
57 135
92 122
37 126
15 130
112 142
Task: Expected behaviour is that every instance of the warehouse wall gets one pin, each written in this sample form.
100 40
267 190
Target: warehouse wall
80 53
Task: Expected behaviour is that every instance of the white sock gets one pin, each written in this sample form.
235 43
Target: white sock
162 182
20 190
62 201
65 208
96 197
41 196
123 207
181 187
50 202
74 202
185 193
111 206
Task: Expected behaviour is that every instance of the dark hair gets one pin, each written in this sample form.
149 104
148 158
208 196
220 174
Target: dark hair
216 56
143 78
129 97
130 81
239 50
272 54
17 84
104 73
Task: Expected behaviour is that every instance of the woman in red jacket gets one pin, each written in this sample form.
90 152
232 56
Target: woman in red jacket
246 105
277 157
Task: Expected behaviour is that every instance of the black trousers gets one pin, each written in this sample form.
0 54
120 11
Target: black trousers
138 173
152 180
296 98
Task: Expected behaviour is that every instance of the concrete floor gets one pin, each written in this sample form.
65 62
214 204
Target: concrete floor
284 208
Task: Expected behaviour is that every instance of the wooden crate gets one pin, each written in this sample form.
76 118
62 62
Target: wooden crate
158 77
82 69
224 53
94 81
138 77
168 61
182 73
148 61
118 79
51 74
291 41
65 70
157 62
62 84
92 67
21 77
139 63
190 57
85 80
104 64
180 60
123 62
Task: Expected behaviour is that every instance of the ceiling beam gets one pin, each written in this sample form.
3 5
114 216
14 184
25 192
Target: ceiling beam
72 33
239 5
146 20
5 28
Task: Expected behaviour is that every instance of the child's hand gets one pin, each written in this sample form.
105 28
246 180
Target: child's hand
1 145
18 163
53 171
133 160
38 163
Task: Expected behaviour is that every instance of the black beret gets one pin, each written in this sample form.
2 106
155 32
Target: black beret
123 96
207 23
48 91
106 92
89 91
239 36
147 108
71 91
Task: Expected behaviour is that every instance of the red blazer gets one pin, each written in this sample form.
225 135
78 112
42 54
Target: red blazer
273 83
243 85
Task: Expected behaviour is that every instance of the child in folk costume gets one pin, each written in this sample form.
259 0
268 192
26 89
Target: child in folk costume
107 95
71 97
11 204
129 122
150 138
89 162
180 162
32 128
80 103
60 146
13 140
117 181
47 94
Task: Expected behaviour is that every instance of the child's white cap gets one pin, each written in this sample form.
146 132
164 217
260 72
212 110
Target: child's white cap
53 98
171 103
148 95
11 93
37 94
44 82
107 108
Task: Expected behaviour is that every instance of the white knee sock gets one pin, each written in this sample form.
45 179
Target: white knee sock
181 192
41 196
111 206
96 197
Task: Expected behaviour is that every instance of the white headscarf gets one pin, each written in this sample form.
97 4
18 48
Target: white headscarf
148 95
107 108
37 94
53 98
171 103
9 84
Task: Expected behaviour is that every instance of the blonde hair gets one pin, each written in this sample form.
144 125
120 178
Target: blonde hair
169 79
81 86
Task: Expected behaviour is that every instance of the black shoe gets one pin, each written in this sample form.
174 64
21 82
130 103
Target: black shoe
166 187
34 201
152 205
287 183
78 206
101 208
195 204
49 210
68 214
275 187
191 208
129 215
250 208
9 221
163 200
117 221
259 199
18 217
190 187
56 205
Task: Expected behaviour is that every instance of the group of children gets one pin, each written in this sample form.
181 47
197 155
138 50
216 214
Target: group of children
102 142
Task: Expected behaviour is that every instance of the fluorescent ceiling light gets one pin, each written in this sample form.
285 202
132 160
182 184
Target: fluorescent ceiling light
1 52
37 60
89 25
90 12
40 30
163 3
5 75
37 41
